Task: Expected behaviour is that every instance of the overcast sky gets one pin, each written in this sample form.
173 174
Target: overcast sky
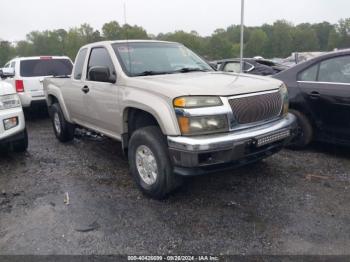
19 17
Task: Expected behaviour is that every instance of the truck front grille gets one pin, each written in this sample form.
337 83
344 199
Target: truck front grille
256 108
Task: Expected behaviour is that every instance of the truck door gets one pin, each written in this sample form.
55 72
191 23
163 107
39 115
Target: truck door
101 97
72 93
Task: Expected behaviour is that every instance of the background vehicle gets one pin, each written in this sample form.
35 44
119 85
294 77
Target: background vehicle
13 133
29 73
255 66
319 91
173 113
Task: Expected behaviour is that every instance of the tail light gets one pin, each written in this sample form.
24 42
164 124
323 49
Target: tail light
19 86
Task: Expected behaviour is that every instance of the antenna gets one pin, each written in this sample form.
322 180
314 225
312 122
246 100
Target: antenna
127 37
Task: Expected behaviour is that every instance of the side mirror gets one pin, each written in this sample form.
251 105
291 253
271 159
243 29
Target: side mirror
101 74
7 72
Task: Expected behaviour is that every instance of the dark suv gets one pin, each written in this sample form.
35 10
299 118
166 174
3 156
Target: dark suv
319 91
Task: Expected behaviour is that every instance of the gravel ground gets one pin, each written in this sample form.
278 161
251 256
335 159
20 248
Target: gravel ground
291 203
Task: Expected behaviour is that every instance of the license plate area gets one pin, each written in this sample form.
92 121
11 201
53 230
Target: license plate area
271 138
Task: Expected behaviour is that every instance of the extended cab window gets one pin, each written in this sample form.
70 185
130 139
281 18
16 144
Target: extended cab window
100 58
45 67
79 64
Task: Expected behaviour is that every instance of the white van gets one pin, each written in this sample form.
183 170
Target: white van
29 73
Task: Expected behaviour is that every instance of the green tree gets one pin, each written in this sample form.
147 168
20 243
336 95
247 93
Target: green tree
281 39
343 29
24 48
323 31
256 43
191 40
333 40
112 31
133 32
305 38
6 52
219 46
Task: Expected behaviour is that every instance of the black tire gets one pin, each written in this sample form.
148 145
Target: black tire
21 145
66 131
165 181
305 134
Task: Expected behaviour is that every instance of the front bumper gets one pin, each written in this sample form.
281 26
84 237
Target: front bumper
7 135
202 154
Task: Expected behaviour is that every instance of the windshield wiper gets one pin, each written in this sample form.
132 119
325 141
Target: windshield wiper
151 73
190 69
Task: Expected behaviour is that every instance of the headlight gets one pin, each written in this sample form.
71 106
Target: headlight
203 124
285 99
9 101
197 101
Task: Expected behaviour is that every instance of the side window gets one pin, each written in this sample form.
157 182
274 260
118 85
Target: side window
335 70
309 74
247 67
100 57
232 67
13 64
79 64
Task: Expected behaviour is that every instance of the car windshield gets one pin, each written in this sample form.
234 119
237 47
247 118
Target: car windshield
140 59
45 67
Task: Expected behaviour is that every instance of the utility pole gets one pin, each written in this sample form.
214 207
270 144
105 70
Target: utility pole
242 35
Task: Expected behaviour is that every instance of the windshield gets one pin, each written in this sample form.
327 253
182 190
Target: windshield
45 67
139 59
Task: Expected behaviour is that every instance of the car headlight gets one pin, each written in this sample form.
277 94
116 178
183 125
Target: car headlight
285 99
9 101
199 125
197 101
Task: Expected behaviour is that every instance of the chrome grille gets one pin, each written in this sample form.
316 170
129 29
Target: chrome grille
256 108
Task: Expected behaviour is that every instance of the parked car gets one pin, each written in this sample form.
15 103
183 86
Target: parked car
29 73
174 115
13 133
319 91
255 66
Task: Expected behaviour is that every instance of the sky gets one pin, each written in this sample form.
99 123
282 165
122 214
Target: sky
19 17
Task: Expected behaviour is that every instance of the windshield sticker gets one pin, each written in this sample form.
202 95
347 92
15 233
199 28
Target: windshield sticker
125 49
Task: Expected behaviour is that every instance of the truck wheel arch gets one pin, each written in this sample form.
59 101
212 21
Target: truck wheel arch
52 99
135 118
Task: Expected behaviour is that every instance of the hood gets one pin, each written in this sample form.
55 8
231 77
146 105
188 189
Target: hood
6 89
204 83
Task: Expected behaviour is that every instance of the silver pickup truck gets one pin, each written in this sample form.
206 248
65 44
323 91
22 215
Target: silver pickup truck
174 115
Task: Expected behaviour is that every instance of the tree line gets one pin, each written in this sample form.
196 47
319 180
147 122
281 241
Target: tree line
279 39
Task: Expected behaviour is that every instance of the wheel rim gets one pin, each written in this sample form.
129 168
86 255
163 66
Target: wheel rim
57 123
146 165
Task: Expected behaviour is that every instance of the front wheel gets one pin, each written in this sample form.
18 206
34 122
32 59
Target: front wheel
305 134
64 130
150 164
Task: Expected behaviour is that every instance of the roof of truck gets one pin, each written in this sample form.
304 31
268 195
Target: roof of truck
40 57
128 41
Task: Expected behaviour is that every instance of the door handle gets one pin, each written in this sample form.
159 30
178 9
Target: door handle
314 95
85 89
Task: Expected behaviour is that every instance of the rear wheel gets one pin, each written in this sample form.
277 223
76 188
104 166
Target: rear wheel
150 164
305 134
21 145
64 130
